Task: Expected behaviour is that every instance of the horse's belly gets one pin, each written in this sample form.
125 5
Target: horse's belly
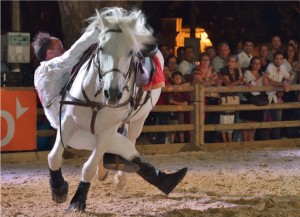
105 118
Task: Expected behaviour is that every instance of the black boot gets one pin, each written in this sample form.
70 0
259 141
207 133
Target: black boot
164 182
59 187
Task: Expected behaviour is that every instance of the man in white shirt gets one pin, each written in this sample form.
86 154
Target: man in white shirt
277 76
187 64
245 56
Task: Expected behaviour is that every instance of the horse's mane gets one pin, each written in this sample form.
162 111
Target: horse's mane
132 24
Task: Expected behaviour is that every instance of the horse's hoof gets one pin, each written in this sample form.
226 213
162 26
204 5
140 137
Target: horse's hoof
116 162
76 206
60 195
119 181
102 177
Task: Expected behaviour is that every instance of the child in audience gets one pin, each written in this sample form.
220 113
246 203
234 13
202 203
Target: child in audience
177 98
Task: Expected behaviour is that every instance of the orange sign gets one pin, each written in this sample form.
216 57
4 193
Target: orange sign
18 119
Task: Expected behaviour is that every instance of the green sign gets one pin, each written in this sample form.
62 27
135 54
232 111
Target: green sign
21 40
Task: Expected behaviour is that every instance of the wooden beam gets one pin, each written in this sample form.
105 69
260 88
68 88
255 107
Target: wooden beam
255 144
169 128
173 108
254 125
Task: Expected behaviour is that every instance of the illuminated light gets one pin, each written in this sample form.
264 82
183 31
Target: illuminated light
179 108
185 33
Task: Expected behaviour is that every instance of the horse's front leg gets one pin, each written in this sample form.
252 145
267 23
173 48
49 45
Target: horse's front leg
58 186
89 169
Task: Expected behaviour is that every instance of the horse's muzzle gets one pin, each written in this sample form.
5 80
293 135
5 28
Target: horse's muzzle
112 96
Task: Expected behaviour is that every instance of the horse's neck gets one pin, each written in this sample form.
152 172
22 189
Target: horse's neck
87 80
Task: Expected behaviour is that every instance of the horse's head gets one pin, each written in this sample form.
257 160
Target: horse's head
122 36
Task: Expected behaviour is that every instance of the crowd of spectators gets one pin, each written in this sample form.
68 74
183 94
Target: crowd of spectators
272 63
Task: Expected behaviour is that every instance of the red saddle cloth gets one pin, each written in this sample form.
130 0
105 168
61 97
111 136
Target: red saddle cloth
158 79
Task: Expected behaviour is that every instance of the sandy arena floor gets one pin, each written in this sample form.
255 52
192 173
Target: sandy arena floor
260 183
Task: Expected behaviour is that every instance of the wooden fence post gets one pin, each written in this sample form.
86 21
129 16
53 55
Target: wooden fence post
201 114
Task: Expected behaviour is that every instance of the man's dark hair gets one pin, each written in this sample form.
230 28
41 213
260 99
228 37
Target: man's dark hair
277 54
187 47
41 44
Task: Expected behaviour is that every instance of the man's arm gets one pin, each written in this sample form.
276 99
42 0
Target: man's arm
73 55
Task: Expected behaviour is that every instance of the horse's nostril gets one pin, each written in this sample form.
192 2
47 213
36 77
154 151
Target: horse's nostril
106 94
119 96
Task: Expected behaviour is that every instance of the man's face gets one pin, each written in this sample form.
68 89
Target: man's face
165 51
56 49
224 51
276 42
278 60
263 52
248 47
189 54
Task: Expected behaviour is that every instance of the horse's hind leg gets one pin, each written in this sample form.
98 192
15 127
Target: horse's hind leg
59 187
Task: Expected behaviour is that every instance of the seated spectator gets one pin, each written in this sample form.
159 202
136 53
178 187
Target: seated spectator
232 76
254 77
177 98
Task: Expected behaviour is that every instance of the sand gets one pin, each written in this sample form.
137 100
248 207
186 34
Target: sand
256 182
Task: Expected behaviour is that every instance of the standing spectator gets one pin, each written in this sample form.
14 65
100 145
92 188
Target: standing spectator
254 77
220 61
187 64
294 43
275 46
277 76
177 98
263 54
204 75
162 117
232 76
290 58
165 50
170 67
211 52
239 47
179 54
245 55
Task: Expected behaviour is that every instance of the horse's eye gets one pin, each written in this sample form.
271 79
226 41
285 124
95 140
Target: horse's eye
101 49
130 53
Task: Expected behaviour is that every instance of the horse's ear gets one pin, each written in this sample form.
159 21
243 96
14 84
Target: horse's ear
104 21
136 18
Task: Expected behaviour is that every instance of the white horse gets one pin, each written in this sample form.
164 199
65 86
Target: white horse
105 94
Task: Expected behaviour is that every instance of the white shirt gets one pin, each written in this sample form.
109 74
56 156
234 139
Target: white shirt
276 76
250 79
185 67
244 59
52 75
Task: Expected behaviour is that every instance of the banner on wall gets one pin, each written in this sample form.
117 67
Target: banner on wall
18 119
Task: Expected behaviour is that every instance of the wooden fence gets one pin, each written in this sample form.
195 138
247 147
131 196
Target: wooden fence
197 126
